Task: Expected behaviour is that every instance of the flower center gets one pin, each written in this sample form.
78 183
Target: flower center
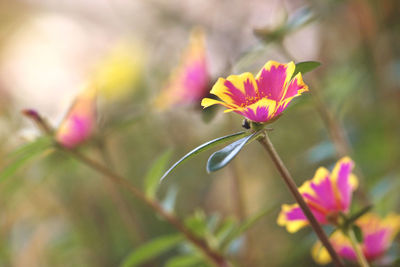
253 99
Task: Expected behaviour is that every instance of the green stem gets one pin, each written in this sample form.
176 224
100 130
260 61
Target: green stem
287 178
357 249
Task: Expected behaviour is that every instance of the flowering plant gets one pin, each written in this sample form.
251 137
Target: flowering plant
263 98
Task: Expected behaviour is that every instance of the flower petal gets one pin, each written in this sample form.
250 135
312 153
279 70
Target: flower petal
295 87
79 122
340 243
261 111
292 217
320 254
319 192
273 78
378 233
189 82
324 194
206 102
235 89
345 183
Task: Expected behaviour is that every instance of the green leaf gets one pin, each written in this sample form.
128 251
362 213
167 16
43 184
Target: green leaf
22 155
151 181
205 147
358 233
184 261
221 158
305 66
40 143
152 249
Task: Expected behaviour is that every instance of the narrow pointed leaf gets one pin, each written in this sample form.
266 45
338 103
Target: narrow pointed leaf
205 147
359 214
222 157
358 233
305 67
157 169
22 155
152 249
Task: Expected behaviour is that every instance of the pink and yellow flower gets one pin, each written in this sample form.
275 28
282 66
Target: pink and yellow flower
189 83
378 235
327 195
260 99
79 123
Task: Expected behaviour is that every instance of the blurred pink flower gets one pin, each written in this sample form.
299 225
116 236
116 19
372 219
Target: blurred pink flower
79 123
260 99
327 194
378 235
189 83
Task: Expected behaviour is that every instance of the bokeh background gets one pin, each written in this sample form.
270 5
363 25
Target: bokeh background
56 212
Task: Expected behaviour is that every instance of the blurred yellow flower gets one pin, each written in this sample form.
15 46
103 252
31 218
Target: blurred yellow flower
118 74
378 235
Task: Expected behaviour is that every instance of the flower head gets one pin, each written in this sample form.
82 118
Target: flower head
78 125
189 82
262 98
327 194
118 73
378 235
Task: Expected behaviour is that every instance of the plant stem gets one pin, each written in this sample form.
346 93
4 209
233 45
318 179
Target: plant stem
357 249
216 258
334 127
283 171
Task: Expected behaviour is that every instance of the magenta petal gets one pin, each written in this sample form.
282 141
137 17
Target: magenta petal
375 244
238 97
295 214
347 252
260 115
80 129
250 90
195 81
343 184
271 82
282 106
325 194
293 88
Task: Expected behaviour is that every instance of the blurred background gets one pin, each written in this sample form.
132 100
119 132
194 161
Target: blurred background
57 212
